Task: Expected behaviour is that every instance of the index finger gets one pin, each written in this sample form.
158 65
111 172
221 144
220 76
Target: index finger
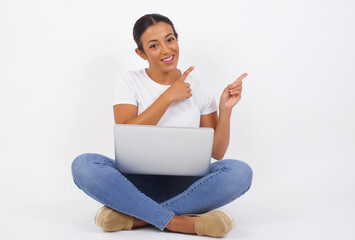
187 72
240 78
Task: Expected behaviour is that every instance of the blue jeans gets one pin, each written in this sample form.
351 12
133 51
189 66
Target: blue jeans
156 198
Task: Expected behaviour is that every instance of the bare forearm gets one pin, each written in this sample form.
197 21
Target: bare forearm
153 113
221 135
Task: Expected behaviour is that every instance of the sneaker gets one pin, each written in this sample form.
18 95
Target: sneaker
215 223
110 220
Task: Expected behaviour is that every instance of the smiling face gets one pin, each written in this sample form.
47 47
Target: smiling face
160 46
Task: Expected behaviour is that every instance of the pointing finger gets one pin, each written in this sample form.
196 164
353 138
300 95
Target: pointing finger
241 77
187 72
234 85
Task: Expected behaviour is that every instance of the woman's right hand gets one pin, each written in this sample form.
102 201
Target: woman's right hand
180 90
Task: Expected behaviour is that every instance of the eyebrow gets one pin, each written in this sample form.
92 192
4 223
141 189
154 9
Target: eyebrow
157 40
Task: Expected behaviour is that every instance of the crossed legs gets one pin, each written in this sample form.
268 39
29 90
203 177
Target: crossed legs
96 175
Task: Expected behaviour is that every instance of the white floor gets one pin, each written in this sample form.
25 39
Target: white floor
260 214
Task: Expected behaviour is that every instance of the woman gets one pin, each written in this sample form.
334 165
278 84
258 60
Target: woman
161 95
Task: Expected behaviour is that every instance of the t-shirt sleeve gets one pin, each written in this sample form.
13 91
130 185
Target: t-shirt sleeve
124 91
209 103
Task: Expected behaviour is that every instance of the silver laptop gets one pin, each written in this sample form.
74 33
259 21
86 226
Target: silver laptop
155 150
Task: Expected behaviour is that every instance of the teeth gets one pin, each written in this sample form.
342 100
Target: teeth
168 59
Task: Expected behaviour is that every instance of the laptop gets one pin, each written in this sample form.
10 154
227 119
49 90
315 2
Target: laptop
157 150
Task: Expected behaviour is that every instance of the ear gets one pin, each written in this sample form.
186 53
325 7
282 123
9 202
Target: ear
141 54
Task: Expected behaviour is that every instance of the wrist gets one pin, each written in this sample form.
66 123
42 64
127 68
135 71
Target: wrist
167 98
225 112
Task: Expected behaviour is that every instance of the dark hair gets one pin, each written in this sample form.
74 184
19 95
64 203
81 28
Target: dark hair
145 22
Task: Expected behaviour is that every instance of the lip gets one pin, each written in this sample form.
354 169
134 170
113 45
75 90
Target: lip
170 61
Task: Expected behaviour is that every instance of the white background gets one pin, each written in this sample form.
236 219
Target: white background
59 61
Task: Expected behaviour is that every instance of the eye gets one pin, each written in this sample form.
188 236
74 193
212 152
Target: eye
153 46
171 39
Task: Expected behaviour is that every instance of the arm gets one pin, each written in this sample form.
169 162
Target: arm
231 95
127 113
221 126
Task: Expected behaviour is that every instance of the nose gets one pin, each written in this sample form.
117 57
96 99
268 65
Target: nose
164 48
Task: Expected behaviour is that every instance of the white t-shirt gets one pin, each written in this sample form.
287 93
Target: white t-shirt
137 88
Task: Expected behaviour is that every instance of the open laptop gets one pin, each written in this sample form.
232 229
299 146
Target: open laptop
155 150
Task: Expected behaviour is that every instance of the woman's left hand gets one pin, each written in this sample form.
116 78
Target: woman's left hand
231 94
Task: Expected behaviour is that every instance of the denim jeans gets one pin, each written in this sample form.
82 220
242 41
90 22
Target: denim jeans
156 198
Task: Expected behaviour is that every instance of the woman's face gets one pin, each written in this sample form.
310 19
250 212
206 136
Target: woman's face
160 46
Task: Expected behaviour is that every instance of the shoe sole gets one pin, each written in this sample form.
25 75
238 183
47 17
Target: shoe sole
230 218
103 215
226 218
97 214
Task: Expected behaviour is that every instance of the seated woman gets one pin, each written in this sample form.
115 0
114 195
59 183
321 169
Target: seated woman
161 95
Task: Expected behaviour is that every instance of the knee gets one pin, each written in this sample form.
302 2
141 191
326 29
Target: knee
81 167
240 175
82 161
